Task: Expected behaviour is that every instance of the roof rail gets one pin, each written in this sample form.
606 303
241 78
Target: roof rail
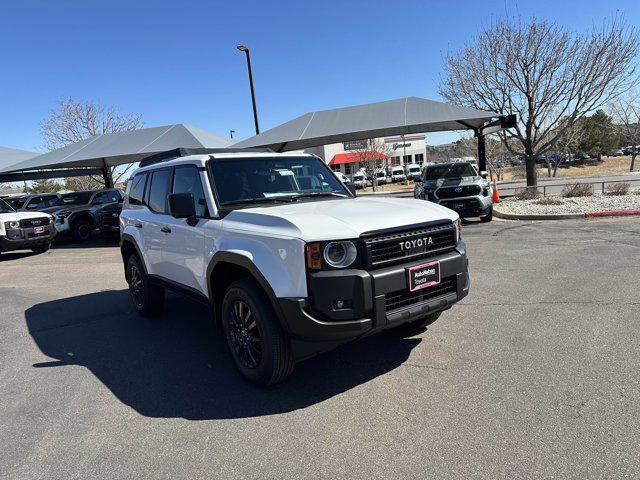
183 152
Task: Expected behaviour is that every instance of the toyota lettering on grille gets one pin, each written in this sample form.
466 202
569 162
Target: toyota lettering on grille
35 222
416 243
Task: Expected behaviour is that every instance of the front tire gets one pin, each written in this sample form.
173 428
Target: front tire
41 248
488 217
82 230
260 349
148 299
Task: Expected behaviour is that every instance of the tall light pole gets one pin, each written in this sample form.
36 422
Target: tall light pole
245 49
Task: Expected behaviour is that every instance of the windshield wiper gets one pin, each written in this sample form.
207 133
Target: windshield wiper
257 200
317 194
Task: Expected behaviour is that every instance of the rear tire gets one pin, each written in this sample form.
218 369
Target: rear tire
41 248
488 217
148 299
82 230
260 348
416 326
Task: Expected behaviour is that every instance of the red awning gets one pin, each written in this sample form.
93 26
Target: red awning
340 158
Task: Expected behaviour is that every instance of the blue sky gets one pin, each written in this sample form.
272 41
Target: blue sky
176 62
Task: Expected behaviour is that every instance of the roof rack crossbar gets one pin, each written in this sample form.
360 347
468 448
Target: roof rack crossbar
183 152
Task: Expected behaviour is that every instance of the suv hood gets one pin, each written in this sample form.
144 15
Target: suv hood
69 208
16 216
336 219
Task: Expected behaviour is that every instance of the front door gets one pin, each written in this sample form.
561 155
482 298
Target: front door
184 248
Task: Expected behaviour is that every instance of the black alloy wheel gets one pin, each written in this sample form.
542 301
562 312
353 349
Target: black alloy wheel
136 285
245 335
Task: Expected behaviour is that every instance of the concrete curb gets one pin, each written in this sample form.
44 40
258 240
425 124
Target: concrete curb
612 213
511 216
566 216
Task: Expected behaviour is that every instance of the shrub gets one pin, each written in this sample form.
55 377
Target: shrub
577 190
618 188
549 201
527 193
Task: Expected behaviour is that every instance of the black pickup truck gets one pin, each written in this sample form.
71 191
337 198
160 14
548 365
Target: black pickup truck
79 213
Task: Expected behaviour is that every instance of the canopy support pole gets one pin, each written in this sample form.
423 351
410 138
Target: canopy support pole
107 176
482 154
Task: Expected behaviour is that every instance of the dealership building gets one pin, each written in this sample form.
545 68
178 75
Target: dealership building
349 157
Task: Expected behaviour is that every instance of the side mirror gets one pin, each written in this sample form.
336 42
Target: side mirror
484 174
351 187
182 205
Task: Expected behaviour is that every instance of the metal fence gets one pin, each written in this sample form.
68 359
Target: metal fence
557 188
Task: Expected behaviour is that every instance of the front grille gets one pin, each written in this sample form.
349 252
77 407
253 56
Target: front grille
402 246
468 204
108 218
34 222
404 298
456 192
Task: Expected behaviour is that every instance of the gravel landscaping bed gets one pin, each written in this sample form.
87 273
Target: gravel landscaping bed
570 205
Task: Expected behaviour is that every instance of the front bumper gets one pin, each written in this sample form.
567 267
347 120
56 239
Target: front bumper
366 297
23 238
477 206
62 227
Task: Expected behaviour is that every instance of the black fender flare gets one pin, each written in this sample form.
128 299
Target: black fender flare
247 264
128 238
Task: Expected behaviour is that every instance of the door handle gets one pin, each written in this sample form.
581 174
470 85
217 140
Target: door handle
165 230
138 225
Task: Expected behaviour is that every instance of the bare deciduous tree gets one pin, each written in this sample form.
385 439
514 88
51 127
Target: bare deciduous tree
626 116
546 75
72 121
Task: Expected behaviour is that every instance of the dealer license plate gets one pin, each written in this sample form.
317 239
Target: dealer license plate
38 229
423 276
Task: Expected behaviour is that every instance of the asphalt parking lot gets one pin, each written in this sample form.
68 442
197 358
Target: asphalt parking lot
536 374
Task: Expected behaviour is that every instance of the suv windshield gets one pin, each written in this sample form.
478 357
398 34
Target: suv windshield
5 207
450 171
16 202
247 180
76 198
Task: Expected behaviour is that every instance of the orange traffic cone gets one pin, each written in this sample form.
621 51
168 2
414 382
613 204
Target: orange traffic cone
496 196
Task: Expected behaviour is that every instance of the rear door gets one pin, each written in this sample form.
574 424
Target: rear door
184 248
155 221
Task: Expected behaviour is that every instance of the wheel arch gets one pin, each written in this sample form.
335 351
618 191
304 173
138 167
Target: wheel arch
129 246
227 267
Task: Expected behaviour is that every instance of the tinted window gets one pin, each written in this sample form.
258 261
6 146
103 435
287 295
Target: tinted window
187 180
159 190
254 179
136 189
16 203
4 207
449 171
77 198
111 196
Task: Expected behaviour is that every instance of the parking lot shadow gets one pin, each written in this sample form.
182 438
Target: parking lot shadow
177 365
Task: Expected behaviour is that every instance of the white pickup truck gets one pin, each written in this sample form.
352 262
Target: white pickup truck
291 262
25 230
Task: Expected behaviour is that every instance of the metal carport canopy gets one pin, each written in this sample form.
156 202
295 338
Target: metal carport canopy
11 156
372 120
114 149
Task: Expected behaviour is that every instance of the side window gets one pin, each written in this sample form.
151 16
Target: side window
34 203
136 189
112 196
187 180
99 199
160 185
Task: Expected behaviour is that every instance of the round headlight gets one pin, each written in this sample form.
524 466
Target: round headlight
340 254
14 224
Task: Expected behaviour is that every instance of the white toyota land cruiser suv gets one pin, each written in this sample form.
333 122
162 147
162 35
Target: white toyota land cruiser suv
290 260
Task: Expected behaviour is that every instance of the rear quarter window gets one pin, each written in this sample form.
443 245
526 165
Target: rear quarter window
136 189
